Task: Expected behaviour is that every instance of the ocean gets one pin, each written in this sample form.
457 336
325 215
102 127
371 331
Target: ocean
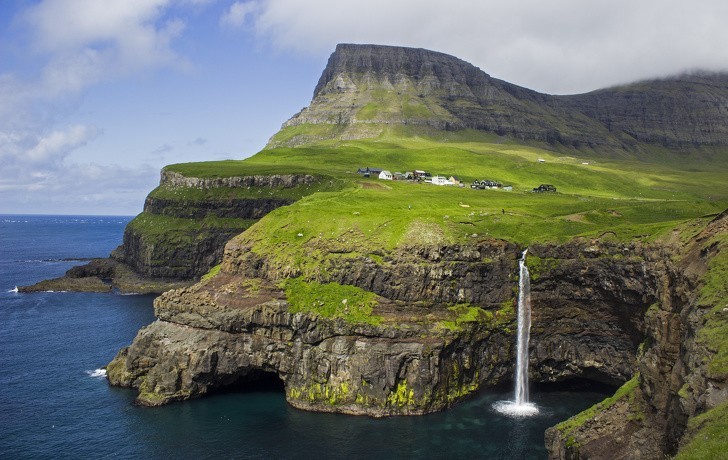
55 402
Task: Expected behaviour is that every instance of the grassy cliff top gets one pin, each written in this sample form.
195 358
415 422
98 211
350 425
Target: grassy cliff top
627 197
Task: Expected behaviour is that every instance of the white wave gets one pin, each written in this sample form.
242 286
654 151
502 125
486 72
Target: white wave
97 373
512 409
15 289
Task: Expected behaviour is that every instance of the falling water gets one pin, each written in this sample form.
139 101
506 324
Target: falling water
520 405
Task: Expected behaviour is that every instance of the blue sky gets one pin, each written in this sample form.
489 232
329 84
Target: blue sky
96 96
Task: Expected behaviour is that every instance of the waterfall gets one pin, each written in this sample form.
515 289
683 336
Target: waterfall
524 331
520 405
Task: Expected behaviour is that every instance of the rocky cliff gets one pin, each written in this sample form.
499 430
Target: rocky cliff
444 325
681 386
182 231
365 88
187 220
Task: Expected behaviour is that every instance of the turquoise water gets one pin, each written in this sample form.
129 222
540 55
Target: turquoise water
51 405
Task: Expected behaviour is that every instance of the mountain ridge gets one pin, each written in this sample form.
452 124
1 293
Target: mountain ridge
366 87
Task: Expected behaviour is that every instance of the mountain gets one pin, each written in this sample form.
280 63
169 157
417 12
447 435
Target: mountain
384 297
366 88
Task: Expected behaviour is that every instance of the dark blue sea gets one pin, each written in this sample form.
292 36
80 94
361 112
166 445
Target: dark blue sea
53 404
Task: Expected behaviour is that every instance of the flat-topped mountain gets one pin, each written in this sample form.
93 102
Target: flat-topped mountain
365 88
363 295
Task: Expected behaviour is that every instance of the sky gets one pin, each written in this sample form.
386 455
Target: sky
96 96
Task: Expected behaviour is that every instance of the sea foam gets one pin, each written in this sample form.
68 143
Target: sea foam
97 373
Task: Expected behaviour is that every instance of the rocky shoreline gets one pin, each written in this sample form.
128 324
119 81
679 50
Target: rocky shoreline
603 311
106 275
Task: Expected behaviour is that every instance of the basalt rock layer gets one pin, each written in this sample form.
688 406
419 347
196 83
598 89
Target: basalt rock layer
181 235
367 87
681 376
421 354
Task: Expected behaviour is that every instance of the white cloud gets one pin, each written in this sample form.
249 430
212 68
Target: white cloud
55 146
72 188
236 14
99 40
73 45
559 46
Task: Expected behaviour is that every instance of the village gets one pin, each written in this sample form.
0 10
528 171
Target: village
421 176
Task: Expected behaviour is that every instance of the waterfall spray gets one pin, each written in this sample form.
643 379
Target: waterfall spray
520 405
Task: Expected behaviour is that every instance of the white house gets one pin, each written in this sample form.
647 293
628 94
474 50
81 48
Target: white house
385 175
440 180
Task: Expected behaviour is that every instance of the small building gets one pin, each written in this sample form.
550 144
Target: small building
399 176
508 188
541 160
369 172
455 180
421 175
485 184
385 175
543 188
440 180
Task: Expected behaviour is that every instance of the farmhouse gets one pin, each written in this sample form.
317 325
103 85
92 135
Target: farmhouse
485 184
368 172
421 175
544 188
385 175
440 180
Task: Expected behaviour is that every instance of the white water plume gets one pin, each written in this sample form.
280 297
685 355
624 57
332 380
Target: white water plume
520 406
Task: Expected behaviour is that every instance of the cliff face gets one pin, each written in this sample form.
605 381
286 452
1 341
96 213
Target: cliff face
187 221
423 354
681 370
366 87
683 111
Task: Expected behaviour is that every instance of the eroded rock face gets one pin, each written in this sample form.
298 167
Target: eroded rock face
674 382
211 336
238 324
591 300
185 254
432 89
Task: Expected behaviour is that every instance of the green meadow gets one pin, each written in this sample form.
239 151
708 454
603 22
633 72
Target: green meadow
609 196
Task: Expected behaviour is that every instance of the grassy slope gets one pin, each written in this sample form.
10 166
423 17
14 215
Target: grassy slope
628 197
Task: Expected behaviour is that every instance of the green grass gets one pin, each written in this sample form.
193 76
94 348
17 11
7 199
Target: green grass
331 300
708 435
624 199
714 295
568 427
212 273
467 313
343 213
160 227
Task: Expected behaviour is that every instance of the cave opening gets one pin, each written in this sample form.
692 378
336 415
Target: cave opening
252 381
575 385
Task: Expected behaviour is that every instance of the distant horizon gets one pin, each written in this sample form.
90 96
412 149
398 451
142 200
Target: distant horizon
66 215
